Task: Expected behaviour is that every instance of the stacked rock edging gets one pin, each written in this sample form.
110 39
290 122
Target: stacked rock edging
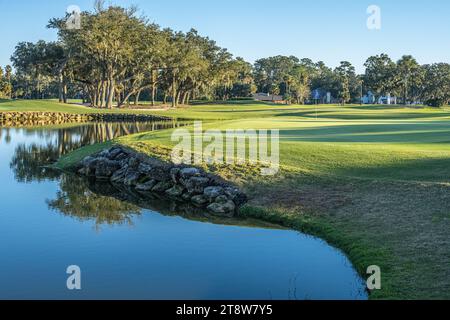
146 175
46 118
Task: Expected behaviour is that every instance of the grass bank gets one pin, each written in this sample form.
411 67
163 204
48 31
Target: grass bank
371 180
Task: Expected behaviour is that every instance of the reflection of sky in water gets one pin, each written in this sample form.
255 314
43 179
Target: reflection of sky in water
155 256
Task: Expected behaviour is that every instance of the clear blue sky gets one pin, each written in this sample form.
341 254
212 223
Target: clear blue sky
328 30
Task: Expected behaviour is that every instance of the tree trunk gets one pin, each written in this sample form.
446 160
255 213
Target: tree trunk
111 91
65 93
97 88
178 98
153 94
154 82
174 90
119 100
187 96
103 94
405 93
38 88
125 99
136 98
94 98
174 95
60 88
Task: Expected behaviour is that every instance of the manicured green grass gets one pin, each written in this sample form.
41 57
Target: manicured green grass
55 106
72 158
372 180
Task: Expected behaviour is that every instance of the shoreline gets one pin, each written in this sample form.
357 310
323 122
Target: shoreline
33 118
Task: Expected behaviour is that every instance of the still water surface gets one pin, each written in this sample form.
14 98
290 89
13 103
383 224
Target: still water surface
132 250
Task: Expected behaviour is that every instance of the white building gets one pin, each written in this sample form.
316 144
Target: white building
370 98
387 100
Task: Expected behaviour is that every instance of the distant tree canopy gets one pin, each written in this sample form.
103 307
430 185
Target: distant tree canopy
117 55
6 82
118 58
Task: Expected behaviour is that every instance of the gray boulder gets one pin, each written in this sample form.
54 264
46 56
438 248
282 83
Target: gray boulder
82 171
175 174
119 175
91 168
234 194
162 186
105 168
211 193
144 168
147 186
160 174
199 200
227 208
122 157
187 196
87 161
187 173
195 184
88 166
221 199
175 192
132 178
134 162
116 153
104 154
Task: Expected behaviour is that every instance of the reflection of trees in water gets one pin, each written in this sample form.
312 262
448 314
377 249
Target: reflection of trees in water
76 200
79 198
109 204
7 134
29 163
29 160
101 132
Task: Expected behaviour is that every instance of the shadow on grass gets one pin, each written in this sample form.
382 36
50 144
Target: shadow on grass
230 102
331 114
377 107
419 170
433 132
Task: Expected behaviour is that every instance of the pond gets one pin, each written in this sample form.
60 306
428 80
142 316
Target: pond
132 249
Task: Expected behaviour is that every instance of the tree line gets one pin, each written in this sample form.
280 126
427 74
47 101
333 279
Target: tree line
118 58
295 79
6 87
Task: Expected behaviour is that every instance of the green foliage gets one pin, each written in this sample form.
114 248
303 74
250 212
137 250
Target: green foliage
39 67
380 76
436 91
5 83
271 72
117 55
411 76
295 79
347 77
